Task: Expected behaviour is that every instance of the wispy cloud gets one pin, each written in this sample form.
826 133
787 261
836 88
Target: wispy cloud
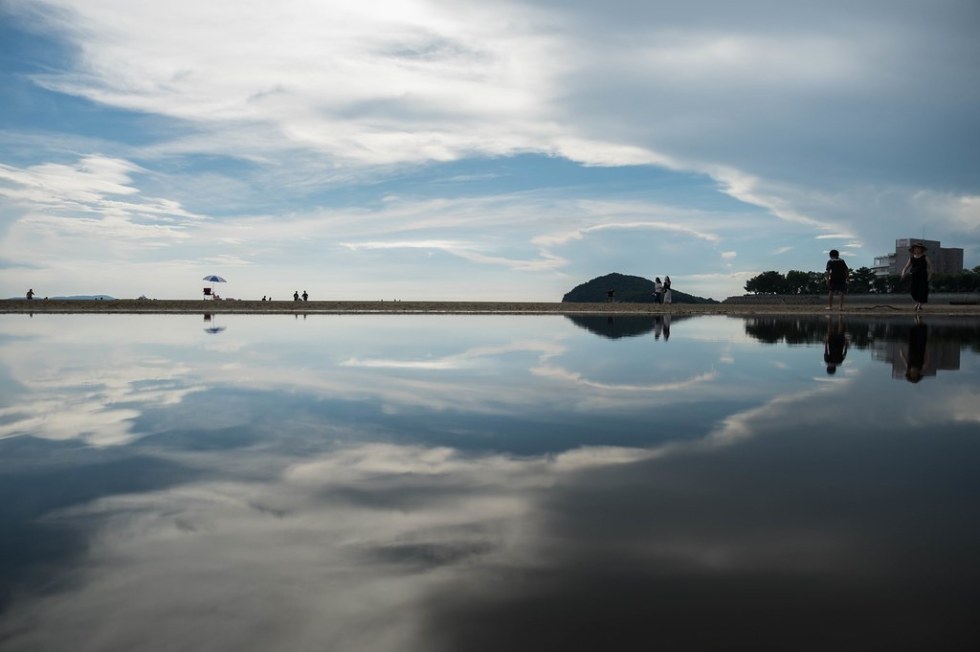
467 251
558 373
578 234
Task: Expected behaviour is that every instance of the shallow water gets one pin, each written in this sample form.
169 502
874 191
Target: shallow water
436 482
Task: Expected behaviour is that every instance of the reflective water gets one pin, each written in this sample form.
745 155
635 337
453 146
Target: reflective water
488 483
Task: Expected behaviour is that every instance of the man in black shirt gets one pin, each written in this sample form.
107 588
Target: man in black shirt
837 273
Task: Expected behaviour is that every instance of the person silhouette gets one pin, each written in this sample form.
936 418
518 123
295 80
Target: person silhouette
915 360
305 295
835 346
30 294
296 295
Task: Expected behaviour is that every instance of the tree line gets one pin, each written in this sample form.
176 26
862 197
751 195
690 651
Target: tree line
862 281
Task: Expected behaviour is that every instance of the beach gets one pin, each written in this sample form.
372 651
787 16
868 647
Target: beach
883 305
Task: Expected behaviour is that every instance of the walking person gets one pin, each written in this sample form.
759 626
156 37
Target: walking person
837 273
920 270
30 294
658 291
667 297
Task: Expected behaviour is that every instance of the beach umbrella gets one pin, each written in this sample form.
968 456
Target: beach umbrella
212 279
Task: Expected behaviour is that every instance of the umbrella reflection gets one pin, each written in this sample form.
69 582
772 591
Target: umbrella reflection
209 318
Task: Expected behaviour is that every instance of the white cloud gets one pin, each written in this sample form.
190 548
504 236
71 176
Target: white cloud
67 204
89 187
327 75
961 210
86 182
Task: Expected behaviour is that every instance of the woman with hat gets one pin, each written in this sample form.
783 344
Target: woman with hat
920 270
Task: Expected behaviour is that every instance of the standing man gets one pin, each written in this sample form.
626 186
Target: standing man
837 273
30 294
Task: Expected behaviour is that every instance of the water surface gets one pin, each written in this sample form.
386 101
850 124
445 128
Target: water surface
448 482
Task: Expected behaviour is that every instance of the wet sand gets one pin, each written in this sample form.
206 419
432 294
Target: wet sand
883 306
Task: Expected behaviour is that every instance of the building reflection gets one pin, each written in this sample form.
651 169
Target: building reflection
918 353
883 336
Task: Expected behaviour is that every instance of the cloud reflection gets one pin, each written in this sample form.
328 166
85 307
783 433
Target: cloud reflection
95 405
388 547
333 546
341 508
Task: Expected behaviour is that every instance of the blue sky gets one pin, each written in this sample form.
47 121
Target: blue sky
471 150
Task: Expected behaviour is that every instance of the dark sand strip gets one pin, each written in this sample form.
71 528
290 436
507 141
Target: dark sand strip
888 306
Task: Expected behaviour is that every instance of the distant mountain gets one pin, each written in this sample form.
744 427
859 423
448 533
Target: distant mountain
84 297
627 289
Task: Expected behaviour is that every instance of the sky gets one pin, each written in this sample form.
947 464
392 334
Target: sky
473 150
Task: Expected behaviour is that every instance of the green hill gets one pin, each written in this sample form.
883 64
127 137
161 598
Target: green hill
627 289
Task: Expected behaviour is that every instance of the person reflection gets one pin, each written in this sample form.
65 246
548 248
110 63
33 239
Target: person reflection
915 357
658 327
666 327
835 345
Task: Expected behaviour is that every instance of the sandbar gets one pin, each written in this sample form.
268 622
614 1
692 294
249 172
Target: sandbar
883 305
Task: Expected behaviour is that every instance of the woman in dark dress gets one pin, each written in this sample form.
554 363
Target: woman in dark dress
920 271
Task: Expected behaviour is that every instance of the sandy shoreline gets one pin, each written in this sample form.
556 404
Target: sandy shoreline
888 306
